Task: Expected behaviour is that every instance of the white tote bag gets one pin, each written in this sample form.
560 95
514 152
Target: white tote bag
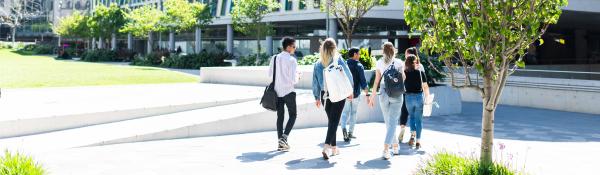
428 106
337 83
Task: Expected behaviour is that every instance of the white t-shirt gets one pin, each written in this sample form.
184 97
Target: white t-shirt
381 66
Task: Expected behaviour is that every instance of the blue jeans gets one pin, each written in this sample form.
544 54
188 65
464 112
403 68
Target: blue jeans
390 107
414 105
349 113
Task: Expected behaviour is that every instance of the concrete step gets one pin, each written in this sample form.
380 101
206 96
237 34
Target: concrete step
245 117
33 111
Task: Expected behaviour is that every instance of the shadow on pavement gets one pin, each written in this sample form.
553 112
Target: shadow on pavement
377 163
315 163
257 156
521 123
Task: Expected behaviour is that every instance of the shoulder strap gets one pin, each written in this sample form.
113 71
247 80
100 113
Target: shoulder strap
274 68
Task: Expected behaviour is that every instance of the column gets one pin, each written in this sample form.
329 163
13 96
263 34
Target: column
171 40
100 43
149 44
198 47
229 38
333 28
129 41
93 43
113 41
269 46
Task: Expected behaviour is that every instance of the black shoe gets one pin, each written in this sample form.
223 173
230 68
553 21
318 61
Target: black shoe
346 138
351 135
411 142
282 145
418 145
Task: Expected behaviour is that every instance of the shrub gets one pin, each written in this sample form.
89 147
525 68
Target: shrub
432 75
250 60
35 49
192 61
309 59
448 163
99 55
19 164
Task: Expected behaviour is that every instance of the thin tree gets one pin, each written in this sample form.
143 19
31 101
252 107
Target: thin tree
201 13
16 12
349 12
486 36
247 17
141 22
179 17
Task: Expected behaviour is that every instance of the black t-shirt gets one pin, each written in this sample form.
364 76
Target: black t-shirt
413 82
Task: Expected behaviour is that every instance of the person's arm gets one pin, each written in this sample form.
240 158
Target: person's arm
363 81
294 69
316 86
271 62
374 90
424 85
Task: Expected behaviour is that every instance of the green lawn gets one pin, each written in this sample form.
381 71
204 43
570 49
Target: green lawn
19 71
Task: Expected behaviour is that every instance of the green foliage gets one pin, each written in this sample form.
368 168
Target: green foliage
192 61
250 60
309 59
365 59
195 61
34 49
179 15
74 25
106 20
99 55
201 13
247 18
349 12
448 163
19 164
433 76
143 20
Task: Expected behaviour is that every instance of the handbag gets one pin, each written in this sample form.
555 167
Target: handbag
337 84
269 98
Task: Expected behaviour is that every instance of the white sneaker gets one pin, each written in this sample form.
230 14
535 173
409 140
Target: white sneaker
396 151
386 155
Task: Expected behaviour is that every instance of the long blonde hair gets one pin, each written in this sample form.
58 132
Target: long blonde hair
389 52
328 51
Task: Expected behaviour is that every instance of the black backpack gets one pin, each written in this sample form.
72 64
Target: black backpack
394 84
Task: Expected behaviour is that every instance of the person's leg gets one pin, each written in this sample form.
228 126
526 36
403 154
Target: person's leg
280 115
328 109
353 110
344 120
410 105
290 102
418 117
336 112
403 120
395 108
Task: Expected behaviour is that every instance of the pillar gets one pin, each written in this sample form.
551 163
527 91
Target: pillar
333 28
129 41
171 40
269 46
149 44
229 38
113 41
198 47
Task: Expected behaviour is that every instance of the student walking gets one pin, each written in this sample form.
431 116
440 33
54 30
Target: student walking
404 113
351 106
329 56
390 70
286 77
416 87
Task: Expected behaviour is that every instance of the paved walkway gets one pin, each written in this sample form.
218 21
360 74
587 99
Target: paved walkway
542 141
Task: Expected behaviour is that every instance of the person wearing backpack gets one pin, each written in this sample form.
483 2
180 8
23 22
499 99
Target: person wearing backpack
389 74
331 91
286 77
416 91
404 113
351 106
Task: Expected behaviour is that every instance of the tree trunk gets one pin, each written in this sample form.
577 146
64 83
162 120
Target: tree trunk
113 41
13 32
487 121
349 41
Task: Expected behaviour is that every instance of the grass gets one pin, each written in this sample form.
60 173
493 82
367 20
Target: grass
449 163
20 71
19 164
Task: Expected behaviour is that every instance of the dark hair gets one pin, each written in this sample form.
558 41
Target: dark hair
412 50
353 51
287 41
410 62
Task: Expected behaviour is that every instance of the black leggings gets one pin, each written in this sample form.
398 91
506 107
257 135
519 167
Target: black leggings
334 112
288 100
404 113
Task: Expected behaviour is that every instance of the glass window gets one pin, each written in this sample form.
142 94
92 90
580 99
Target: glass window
223 7
302 4
289 4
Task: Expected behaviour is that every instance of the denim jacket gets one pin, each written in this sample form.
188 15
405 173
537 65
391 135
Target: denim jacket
317 81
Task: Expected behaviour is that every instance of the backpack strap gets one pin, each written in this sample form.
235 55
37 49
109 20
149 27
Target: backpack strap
274 69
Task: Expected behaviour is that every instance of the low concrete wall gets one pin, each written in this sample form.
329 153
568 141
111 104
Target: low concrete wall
547 93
